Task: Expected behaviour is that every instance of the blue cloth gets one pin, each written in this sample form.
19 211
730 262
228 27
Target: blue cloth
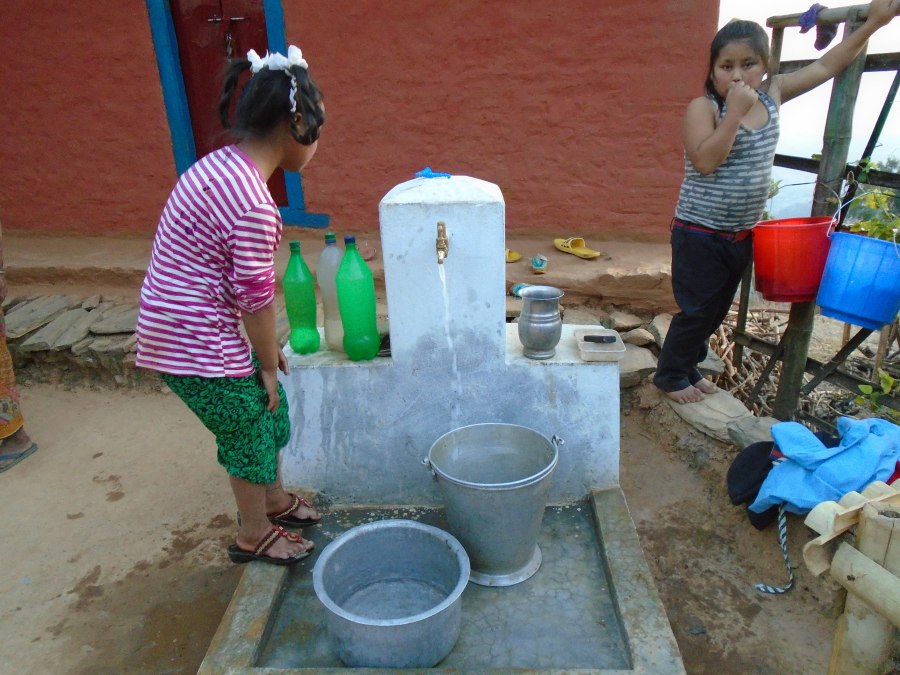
428 173
811 473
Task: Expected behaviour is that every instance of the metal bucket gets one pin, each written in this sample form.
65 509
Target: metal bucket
392 591
494 480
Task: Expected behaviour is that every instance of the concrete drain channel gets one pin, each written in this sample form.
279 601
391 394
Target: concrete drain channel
591 606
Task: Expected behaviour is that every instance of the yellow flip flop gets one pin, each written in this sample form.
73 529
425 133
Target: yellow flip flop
575 246
512 256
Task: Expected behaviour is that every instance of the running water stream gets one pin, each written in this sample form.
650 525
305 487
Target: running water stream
454 370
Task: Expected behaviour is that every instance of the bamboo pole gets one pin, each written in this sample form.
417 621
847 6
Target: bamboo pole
747 278
883 341
743 309
825 16
836 143
865 631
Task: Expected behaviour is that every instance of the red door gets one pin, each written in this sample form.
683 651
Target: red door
209 32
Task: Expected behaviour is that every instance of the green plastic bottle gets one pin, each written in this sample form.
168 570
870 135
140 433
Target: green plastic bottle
356 299
300 302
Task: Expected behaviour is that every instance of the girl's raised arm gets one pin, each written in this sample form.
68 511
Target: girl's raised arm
791 85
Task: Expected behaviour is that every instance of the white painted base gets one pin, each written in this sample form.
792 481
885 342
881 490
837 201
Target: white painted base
361 430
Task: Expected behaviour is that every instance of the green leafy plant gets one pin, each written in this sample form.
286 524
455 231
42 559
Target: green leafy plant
888 386
881 222
877 213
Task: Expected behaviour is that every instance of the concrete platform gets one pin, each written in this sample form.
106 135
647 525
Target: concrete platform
592 607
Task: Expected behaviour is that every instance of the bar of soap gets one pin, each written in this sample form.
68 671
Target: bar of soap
603 339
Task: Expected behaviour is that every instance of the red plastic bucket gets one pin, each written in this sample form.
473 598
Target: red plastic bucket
789 256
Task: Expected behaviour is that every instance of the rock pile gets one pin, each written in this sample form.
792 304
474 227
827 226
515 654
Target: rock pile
67 339
53 337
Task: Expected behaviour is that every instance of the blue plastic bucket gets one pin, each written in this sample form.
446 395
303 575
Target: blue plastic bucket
861 281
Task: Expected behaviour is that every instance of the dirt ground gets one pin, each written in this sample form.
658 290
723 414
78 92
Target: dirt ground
113 536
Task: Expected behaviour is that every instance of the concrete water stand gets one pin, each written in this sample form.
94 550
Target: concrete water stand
360 431
592 607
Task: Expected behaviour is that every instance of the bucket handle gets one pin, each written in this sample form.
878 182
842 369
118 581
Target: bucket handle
836 218
427 464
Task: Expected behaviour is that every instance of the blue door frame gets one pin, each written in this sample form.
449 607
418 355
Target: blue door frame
175 99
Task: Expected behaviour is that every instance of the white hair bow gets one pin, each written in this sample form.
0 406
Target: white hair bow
295 57
256 63
276 60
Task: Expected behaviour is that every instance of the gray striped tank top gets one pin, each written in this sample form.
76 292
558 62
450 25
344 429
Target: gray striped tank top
733 196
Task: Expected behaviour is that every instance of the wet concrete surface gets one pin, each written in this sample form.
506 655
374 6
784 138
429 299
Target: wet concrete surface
591 607
562 617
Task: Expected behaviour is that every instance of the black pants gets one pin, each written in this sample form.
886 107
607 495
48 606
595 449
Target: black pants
706 272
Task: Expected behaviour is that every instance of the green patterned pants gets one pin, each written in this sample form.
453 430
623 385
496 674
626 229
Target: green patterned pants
248 436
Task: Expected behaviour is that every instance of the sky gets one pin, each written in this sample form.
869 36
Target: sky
803 118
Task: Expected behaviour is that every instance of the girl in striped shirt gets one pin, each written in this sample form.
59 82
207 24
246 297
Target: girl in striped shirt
729 138
212 270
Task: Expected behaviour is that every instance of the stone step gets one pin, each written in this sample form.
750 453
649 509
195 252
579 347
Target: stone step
62 337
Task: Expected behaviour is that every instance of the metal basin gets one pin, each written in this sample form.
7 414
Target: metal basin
392 593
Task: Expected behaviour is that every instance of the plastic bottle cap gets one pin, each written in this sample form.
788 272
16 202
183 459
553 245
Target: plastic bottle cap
349 239
330 238
295 245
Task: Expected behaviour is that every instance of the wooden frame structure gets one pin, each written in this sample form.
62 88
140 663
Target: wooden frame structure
869 570
793 349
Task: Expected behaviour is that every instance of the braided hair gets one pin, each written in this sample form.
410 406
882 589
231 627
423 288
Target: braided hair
270 97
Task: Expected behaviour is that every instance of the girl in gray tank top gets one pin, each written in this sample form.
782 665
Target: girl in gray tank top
729 137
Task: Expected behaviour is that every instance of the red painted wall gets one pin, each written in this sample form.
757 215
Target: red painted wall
85 147
572 108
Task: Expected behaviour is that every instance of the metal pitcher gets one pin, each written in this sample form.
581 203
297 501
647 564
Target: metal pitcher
540 324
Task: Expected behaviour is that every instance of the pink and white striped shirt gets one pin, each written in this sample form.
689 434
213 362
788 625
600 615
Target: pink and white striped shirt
213 256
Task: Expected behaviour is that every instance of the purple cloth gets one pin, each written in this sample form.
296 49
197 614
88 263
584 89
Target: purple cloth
824 34
808 18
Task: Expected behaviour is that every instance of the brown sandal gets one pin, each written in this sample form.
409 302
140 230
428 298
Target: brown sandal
285 518
240 555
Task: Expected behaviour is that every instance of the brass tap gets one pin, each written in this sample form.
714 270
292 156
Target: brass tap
442 244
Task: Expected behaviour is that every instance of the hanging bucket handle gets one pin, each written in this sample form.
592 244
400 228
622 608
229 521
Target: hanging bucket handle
836 218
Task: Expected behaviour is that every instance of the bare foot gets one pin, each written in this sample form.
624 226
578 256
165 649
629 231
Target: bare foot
689 394
16 443
14 449
706 386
